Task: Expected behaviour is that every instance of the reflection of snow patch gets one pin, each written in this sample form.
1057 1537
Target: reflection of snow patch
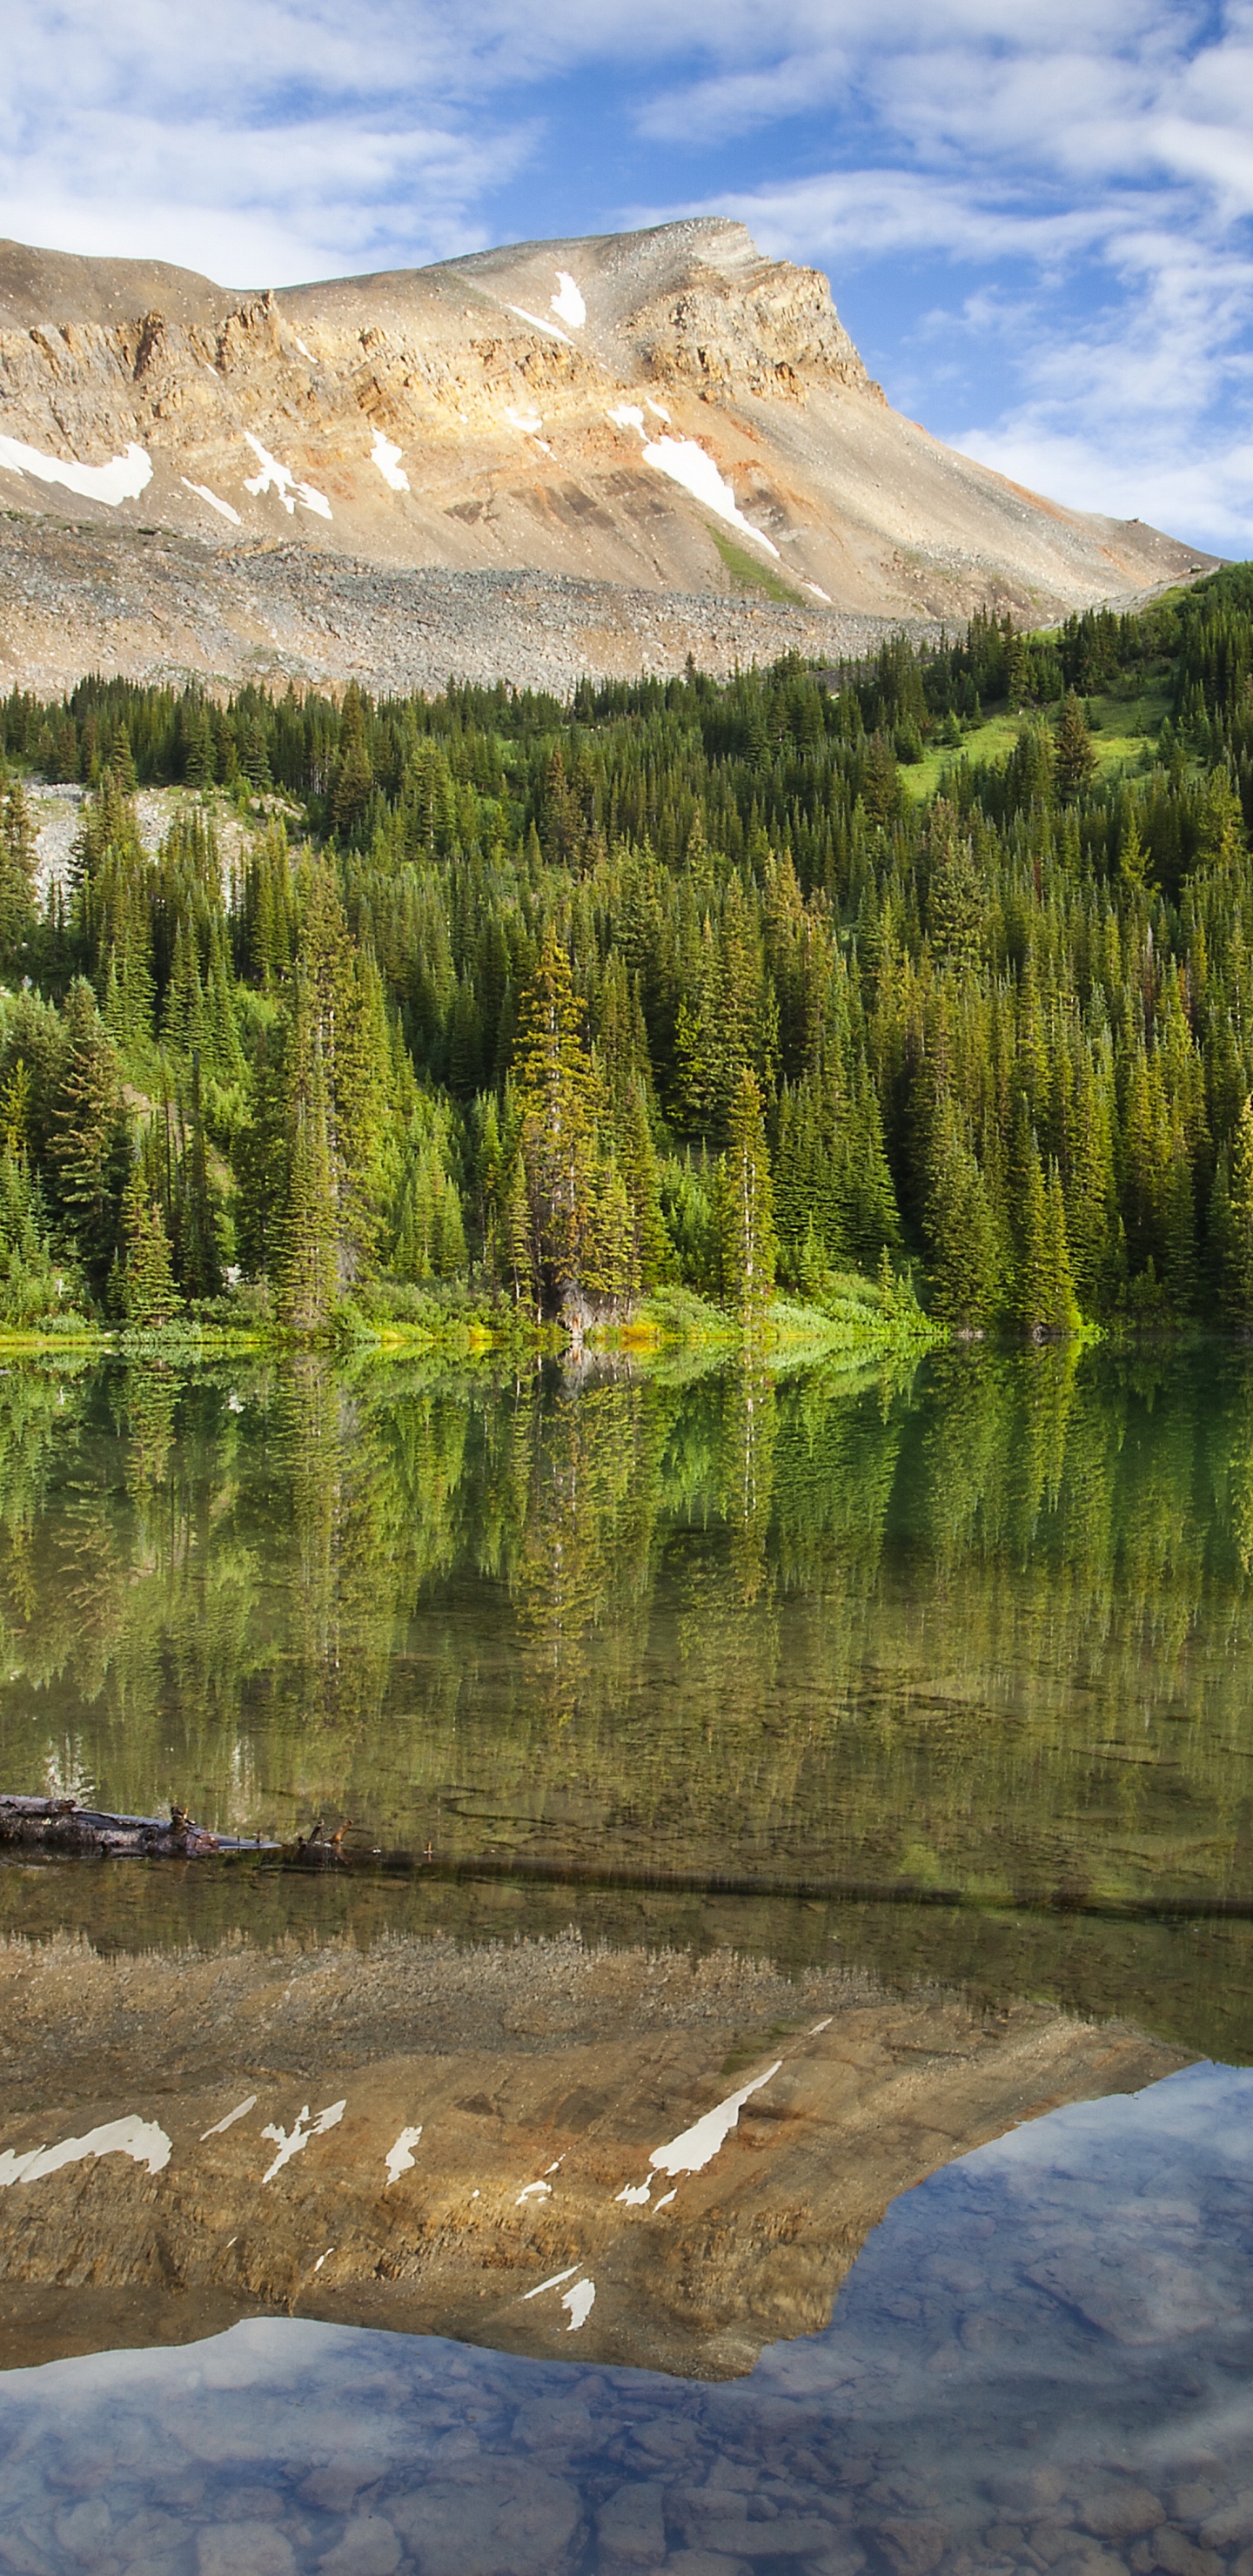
398 2159
626 416
634 2194
552 2282
580 2302
567 303
534 2191
386 455
537 323
300 2135
274 477
203 493
241 2109
123 479
140 2139
698 2145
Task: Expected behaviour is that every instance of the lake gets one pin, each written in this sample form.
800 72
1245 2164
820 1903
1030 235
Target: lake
874 1747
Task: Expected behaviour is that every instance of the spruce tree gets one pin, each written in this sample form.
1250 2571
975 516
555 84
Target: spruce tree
307 1280
148 1294
87 1145
966 1257
1074 752
747 1236
1237 1229
558 1101
17 876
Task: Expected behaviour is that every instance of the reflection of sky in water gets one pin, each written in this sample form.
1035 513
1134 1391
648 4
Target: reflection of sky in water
1044 2358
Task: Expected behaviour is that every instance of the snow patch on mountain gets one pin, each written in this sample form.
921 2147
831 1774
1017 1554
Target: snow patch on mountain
690 464
567 303
386 455
274 477
122 479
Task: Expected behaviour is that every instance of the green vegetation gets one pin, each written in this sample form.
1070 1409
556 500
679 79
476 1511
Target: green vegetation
750 572
487 1015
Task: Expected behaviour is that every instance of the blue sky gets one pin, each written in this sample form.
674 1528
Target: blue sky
1037 220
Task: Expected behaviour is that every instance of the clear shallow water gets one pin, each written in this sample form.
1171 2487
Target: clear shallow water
747 1656
1043 2358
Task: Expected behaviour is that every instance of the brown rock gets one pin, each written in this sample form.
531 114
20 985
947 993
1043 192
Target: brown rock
233 2546
1121 2512
1179 2556
368 2547
1230 2523
911 2548
631 2522
500 2522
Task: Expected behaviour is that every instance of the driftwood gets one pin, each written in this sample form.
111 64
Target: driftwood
61 1825
317 1850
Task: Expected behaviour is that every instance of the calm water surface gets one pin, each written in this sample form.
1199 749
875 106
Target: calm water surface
716 1658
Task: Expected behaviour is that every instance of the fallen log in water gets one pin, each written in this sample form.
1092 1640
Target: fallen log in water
61 1825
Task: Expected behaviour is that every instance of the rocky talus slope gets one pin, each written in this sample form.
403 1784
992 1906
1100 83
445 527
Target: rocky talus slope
587 455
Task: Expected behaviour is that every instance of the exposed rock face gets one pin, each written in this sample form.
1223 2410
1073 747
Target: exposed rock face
422 2136
617 411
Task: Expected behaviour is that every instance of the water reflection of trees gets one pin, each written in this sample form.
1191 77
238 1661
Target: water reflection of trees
987 1627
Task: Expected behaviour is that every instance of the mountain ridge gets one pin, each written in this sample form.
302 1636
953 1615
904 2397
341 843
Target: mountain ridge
664 412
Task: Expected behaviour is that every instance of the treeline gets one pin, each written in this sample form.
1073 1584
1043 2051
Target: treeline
681 985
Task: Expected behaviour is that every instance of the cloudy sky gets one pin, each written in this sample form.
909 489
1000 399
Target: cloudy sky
1036 219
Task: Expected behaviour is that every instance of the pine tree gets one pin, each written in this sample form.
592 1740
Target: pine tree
747 1208
966 1257
1035 1267
307 1271
1074 752
558 1102
17 875
87 1143
354 770
148 1295
1063 1305
1236 1286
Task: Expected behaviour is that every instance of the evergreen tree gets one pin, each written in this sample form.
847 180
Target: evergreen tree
1235 1226
966 1262
747 1207
1074 753
87 1139
17 875
558 1102
148 1295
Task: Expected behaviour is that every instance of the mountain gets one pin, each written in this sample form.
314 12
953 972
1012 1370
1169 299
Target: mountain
570 455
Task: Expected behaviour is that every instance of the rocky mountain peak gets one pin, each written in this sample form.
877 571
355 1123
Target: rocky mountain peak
664 411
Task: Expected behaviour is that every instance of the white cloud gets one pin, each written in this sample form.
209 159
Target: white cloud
1082 165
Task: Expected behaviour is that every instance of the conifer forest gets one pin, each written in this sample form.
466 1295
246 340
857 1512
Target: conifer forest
936 971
